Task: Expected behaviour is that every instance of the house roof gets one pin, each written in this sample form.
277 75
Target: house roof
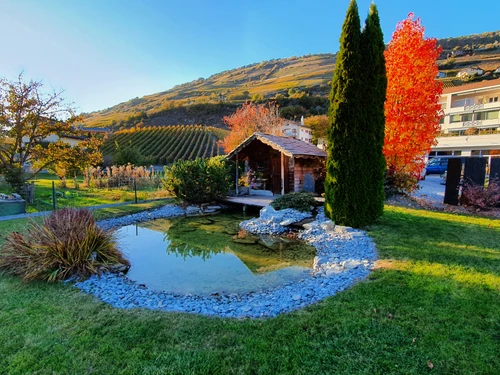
289 146
471 86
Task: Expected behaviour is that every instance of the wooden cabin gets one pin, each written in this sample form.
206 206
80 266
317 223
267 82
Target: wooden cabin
287 164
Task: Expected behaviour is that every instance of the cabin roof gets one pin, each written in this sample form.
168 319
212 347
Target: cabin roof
289 146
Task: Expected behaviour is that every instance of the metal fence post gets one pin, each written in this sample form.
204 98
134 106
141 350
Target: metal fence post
54 203
135 191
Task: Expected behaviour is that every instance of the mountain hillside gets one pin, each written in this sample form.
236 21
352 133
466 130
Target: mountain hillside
300 85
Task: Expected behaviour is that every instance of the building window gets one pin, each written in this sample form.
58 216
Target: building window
491 115
467 117
455 118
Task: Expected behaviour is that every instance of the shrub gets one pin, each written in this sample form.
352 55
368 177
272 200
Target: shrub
399 183
67 243
481 197
200 180
299 201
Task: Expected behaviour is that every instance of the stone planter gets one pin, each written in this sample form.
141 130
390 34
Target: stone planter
12 207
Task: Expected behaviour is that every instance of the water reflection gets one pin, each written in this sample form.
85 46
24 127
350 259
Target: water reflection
200 255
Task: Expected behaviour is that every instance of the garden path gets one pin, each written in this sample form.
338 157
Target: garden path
46 213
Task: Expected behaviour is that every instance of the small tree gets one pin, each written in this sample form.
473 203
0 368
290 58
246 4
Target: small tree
412 108
28 116
251 118
64 160
319 125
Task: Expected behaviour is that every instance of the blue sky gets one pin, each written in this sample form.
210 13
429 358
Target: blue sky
104 52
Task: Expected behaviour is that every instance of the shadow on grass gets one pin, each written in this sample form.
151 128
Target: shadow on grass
392 324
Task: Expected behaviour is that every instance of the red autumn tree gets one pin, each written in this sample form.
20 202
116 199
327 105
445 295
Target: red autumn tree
251 118
412 108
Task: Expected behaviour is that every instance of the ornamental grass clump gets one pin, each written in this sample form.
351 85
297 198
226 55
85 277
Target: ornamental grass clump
68 243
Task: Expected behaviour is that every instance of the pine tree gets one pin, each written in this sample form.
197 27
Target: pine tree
344 190
374 94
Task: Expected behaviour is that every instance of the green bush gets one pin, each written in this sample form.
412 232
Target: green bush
299 201
200 180
399 183
67 243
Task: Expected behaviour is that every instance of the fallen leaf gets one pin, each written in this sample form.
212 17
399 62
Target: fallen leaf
375 311
413 341
430 365
390 316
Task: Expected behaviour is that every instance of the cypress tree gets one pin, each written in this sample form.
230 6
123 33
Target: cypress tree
374 94
344 184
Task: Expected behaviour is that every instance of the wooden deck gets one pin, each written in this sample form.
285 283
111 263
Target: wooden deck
256 200
250 200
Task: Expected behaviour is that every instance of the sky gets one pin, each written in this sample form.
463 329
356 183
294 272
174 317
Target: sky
103 52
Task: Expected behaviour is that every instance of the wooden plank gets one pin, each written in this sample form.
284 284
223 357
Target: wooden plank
282 174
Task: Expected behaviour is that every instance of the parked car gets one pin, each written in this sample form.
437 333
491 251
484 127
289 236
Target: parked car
436 166
439 165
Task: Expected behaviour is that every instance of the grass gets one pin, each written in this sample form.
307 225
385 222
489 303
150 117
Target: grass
434 296
81 197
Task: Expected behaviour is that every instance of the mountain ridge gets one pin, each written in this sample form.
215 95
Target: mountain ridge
300 85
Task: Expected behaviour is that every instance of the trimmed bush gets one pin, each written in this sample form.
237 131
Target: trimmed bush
302 201
67 243
200 180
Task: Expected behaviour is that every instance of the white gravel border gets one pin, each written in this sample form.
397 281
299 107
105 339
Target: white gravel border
344 256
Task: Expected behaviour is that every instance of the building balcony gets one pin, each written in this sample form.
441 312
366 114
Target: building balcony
471 108
490 141
471 124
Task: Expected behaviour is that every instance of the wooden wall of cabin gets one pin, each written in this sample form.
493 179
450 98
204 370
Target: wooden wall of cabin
315 167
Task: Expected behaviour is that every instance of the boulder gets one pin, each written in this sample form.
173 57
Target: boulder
267 212
328 225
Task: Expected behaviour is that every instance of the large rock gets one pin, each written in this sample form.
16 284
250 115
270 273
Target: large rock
193 210
328 225
267 212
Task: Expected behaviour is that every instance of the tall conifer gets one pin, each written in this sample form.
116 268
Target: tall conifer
344 190
374 94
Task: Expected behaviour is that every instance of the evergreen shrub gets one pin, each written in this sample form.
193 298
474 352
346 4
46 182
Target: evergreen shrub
302 201
200 180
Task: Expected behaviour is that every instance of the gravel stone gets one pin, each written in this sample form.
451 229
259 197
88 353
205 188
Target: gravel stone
344 256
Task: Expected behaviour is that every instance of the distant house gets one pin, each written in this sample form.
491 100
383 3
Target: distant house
287 164
70 139
297 130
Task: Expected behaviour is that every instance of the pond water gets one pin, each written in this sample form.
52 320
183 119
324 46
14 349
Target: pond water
210 254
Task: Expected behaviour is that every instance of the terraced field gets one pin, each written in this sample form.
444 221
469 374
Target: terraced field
166 144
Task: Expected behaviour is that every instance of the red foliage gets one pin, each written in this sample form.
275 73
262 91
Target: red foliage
481 197
248 119
412 108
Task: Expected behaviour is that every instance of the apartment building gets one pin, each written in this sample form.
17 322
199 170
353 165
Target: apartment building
471 123
297 130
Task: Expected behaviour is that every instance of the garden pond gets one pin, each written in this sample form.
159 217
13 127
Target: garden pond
211 254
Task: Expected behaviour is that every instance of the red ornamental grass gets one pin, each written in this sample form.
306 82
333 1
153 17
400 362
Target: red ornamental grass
68 243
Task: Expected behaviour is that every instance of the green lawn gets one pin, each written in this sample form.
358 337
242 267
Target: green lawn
83 196
435 296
